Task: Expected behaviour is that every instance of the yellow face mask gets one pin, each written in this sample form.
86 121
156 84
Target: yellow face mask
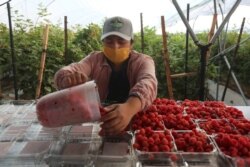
116 56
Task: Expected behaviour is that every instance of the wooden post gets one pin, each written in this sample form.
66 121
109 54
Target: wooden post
142 34
166 59
65 40
42 63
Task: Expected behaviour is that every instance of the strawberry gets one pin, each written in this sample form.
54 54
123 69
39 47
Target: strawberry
153 141
192 141
234 145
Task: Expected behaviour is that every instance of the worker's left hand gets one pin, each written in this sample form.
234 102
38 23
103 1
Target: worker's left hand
117 118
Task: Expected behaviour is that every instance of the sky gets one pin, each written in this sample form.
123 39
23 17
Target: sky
84 12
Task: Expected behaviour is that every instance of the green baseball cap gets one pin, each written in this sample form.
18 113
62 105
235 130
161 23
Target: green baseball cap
119 26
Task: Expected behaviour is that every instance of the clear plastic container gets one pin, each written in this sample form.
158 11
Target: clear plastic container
204 155
240 146
14 132
78 131
115 151
215 126
26 153
4 147
70 106
38 132
71 152
159 158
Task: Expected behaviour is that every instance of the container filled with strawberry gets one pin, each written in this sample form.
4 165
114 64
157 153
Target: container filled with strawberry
214 126
234 147
178 122
191 103
201 112
156 147
195 147
148 140
242 125
147 119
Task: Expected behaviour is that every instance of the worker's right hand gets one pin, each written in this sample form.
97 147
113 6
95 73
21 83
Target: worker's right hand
70 80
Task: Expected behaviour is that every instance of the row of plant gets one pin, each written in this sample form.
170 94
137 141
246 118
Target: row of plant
83 40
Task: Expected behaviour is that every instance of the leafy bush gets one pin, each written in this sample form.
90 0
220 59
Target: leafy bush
83 40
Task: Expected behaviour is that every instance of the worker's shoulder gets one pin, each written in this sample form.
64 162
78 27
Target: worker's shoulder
138 55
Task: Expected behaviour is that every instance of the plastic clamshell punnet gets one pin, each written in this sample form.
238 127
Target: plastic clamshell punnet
234 161
198 158
38 132
26 153
169 158
71 152
14 132
115 151
74 105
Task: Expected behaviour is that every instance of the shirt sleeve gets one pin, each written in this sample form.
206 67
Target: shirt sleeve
145 87
84 66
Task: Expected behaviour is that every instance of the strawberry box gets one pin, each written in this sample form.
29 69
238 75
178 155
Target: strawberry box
234 148
191 103
72 152
201 112
178 122
156 148
115 151
242 125
214 126
195 146
147 119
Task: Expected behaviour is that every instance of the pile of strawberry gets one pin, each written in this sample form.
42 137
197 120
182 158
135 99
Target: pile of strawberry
242 125
234 113
233 145
147 119
212 116
164 101
213 126
192 141
201 112
169 109
153 141
214 104
178 122
191 103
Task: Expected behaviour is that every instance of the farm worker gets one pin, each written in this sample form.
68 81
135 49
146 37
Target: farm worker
126 79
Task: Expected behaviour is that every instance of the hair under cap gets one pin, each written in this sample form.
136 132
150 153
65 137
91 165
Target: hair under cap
119 26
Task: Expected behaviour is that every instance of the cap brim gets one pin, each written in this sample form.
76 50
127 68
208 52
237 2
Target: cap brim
128 38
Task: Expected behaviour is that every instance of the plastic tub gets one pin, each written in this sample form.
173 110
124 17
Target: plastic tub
70 106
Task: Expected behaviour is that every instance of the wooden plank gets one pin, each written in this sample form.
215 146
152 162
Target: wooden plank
180 75
42 62
166 60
